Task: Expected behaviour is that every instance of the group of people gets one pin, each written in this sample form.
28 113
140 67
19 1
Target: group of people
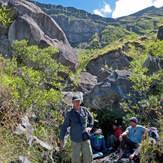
76 119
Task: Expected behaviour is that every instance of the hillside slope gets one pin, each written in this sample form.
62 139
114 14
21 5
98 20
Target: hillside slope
93 31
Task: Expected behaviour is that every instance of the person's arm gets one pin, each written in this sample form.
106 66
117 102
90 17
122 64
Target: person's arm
64 127
91 122
124 134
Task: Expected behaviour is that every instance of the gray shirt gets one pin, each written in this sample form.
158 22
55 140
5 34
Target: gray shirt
76 128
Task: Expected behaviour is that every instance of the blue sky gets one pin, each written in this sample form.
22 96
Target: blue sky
107 8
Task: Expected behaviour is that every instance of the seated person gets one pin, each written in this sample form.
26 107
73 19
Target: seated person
113 140
153 138
98 142
135 134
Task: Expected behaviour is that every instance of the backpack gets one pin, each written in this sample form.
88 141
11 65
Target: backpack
153 133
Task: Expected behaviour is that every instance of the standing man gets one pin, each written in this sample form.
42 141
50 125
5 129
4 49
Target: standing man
77 126
135 134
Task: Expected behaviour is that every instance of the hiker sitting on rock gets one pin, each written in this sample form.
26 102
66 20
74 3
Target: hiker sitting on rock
153 138
135 134
113 140
98 142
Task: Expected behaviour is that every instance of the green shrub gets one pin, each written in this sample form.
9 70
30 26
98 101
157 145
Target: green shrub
4 12
23 91
152 152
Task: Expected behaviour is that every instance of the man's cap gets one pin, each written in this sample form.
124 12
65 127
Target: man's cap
74 98
134 119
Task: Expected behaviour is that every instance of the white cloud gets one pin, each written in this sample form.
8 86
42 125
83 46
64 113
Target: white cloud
158 3
104 10
98 12
127 7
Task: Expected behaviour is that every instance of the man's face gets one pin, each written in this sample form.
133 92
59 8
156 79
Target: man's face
76 103
133 124
114 127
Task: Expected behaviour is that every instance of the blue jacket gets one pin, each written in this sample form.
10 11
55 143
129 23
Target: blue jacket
98 143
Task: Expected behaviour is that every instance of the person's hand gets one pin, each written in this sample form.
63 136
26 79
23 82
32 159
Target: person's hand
120 138
88 129
61 143
132 156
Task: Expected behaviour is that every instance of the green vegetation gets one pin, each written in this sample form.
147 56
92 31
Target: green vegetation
85 57
112 33
94 42
150 151
24 80
30 82
4 16
149 109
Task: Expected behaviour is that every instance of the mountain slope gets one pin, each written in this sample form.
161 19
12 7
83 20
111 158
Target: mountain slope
80 26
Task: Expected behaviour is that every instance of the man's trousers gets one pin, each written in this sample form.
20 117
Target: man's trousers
81 152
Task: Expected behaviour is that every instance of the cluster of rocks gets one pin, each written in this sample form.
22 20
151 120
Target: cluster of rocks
113 158
25 128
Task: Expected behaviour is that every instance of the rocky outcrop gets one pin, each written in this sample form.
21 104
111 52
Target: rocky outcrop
127 46
78 25
160 33
4 45
114 59
87 82
153 64
77 30
110 91
84 82
103 73
32 24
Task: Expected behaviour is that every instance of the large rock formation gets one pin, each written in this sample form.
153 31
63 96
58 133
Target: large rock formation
77 30
78 25
110 91
40 29
114 59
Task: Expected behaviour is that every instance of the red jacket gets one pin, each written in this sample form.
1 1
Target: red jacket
118 132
